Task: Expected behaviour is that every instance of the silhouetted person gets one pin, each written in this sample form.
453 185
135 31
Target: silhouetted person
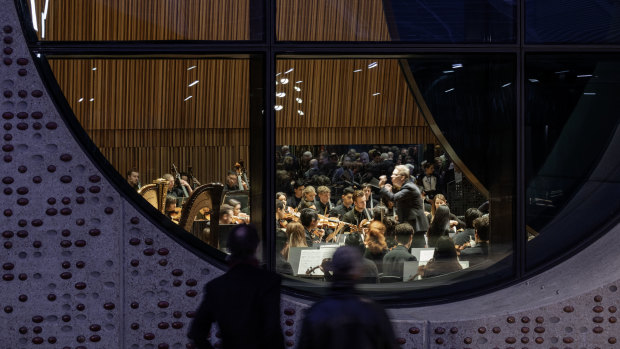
245 302
345 319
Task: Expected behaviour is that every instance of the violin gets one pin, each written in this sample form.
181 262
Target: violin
242 218
175 215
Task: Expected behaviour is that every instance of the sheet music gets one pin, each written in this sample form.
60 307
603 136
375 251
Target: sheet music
426 255
312 258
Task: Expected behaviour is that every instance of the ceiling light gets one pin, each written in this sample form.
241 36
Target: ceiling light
193 83
297 89
277 107
376 93
288 71
298 100
192 67
280 94
301 113
186 99
357 70
449 90
373 65
457 65
284 81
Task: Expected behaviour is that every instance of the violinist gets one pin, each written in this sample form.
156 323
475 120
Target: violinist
307 200
298 193
359 214
310 220
346 205
323 203
226 214
281 221
171 209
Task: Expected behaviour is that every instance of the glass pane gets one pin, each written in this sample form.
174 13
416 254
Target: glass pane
451 21
343 124
124 20
152 118
571 136
572 21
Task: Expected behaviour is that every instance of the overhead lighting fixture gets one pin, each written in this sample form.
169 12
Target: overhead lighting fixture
94 68
298 100
373 65
301 113
186 99
376 93
277 107
193 83
507 84
297 88
533 80
298 82
44 18
288 71
357 70
457 65
280 94
284 81
448 71
562 71
584 76
278 74
80 100
589 93
192 67
449 90
34 15
91 100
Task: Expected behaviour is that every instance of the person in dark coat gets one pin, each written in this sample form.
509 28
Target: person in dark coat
245 301
408 202
344 318
480 252
444 261
394 261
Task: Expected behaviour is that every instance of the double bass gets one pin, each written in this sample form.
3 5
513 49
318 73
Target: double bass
242 178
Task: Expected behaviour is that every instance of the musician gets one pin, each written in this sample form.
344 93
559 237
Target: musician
133 178
226 214
309 219
298 193
359 213
193 181
323 204
407 199
170 206
370 201
307 200
177 190
281 221
346 203
232 182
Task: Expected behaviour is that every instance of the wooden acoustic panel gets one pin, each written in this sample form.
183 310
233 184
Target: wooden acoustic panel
346 101
140 114
123 20
329 20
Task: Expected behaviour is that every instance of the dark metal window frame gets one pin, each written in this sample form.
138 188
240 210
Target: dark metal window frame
263 54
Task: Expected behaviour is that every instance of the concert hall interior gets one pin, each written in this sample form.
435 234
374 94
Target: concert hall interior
469 149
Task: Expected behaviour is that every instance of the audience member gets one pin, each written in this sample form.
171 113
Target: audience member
345 319
244 302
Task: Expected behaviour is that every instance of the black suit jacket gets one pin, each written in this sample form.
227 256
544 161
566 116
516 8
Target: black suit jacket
409 206
245 302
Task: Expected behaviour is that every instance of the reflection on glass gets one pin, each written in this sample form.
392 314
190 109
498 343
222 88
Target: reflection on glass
571 130
176 128
362 166
572 21
448 21
123 20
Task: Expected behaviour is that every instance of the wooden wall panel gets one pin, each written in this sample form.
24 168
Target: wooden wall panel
328 20
120 20
345 102
139 116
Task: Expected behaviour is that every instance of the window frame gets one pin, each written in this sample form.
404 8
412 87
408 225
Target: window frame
265 52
